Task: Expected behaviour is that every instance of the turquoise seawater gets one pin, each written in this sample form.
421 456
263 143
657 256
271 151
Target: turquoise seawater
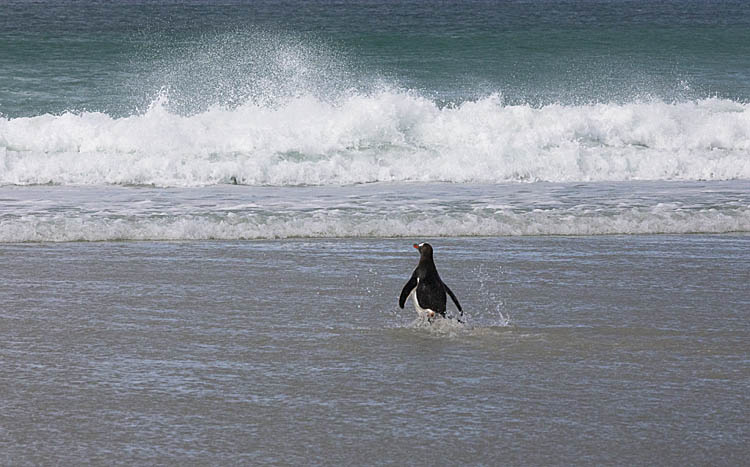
116 57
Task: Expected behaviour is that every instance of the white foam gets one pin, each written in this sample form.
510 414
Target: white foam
57 227
385 136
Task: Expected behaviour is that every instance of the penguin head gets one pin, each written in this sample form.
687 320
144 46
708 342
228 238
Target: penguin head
425 249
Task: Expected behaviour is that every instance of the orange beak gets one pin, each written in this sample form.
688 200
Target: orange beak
416 246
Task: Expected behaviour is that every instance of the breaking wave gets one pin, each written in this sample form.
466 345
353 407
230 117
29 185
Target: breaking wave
387 135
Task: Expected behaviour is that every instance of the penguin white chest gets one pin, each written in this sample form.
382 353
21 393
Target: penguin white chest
422 312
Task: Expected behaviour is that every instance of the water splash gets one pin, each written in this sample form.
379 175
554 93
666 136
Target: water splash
255 65
490 297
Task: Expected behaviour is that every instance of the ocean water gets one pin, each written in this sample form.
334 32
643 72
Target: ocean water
577 350
206 214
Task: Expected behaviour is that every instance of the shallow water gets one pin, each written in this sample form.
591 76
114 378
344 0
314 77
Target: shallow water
226 212
596 350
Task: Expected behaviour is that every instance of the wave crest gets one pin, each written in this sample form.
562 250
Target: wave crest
384 136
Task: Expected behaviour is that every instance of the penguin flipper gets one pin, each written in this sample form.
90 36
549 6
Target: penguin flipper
455 300
406 291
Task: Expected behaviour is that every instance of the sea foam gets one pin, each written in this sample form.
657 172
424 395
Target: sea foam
122 213
388 135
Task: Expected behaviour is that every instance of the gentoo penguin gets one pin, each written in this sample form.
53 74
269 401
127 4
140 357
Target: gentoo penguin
428 289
